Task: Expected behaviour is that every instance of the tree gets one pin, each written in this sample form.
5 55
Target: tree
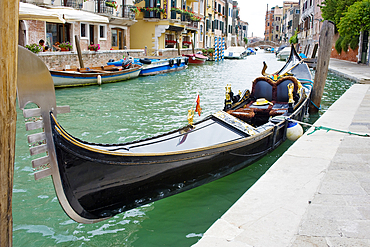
245 40
336 10
294 38
355 20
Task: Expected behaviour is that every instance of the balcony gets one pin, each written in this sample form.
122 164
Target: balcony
103 7
128 12
77 4
193 25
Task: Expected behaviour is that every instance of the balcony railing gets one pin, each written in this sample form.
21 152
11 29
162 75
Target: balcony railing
101 7
77 4
127 12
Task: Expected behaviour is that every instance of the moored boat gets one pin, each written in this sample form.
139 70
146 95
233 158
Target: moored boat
235 52
196 58
154 66
93 75
96 181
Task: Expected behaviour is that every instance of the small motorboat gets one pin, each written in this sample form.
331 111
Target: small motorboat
154 66
235 52
196 58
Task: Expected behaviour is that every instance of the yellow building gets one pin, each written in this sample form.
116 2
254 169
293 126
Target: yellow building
163 24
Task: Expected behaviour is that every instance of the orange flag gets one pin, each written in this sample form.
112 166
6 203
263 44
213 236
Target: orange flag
197 108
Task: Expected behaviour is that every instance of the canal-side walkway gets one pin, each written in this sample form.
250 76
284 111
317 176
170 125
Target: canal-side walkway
359 73
316 194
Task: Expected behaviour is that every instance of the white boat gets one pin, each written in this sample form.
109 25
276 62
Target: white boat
283 55
235 52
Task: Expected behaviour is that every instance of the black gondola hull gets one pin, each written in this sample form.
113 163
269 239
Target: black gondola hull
101 185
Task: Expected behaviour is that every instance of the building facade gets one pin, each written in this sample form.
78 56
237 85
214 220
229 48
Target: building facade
110 29
269 20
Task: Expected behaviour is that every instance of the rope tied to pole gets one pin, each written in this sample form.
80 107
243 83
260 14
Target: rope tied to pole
316 128
332 129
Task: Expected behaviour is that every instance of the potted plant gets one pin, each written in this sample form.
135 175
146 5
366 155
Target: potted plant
35 48
93 47
210 51
65 46
134 9
112 4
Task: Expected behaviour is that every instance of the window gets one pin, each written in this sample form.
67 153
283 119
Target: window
201 33
102 32
84 31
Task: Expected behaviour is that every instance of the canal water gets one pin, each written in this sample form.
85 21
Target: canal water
129 110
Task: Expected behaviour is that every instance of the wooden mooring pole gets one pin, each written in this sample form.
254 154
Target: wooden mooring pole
325 44
79 53
8 114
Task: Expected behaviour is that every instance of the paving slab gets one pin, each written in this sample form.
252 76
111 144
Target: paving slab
316 194
359 73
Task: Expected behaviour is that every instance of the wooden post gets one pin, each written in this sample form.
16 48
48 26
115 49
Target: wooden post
192 46
178 47
78 48
8 115
325 44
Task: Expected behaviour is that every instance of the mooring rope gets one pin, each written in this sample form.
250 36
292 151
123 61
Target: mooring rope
319 108
323 128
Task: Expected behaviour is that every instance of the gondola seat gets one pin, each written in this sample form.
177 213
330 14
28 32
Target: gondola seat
244 114
274 91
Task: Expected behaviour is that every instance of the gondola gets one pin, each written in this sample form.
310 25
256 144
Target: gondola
96 181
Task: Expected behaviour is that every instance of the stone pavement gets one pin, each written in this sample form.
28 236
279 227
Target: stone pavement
316 194
359 73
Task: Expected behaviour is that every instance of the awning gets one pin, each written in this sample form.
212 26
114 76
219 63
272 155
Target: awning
72 15
175 28
32 12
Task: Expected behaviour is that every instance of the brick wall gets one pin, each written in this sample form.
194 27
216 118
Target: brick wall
350 55
38 31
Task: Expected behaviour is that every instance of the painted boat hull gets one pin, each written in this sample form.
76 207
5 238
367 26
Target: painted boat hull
158 66
74 78
163 66
196 58
100 185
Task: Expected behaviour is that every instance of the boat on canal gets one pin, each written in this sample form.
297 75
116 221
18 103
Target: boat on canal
94 75
196 58
95 181
154 66
235 52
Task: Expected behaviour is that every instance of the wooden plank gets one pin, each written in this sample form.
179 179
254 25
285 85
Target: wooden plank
8 115
41 174
38 149
325 44
35 112
36 137
34 125
40 161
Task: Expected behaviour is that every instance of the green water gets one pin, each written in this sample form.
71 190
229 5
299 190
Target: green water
131 110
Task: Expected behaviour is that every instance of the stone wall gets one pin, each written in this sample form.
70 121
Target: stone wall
62 60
